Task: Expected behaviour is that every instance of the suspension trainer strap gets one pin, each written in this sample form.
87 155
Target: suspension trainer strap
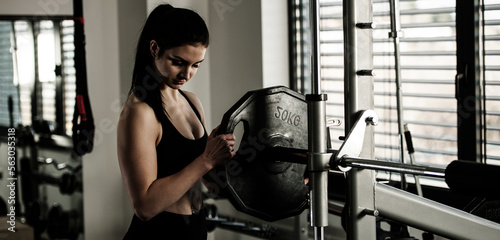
83 121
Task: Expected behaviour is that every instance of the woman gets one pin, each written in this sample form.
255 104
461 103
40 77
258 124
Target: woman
163 147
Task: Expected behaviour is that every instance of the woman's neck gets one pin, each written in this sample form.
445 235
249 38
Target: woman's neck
170 94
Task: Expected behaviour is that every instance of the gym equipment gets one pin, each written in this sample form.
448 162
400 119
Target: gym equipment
35 206
29 185
485 207
395 34
395 231
270 162
36 216
10 103
58 166
43 127
392 203
63 224
68 183
83 121
267 154
271 146
474 178
411 151
464 177
215 220
388 202
3 207
365 197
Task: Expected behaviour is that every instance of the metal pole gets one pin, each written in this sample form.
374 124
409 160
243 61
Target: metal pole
358 92
319 233
315 49
431 216
318 161
365 163
394 34
318 158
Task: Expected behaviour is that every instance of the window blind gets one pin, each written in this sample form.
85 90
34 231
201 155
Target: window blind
491 29
7 84
38 71
68 71
428 68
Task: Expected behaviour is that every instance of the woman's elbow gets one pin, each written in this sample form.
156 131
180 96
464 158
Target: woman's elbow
143 212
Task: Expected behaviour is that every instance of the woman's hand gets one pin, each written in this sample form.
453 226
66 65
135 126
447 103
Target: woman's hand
220 148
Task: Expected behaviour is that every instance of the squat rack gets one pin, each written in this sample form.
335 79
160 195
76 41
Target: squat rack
358 92
365 197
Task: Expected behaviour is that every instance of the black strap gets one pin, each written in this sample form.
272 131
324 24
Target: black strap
83 120
192 105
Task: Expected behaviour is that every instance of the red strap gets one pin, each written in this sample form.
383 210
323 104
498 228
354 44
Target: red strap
81 19
81 107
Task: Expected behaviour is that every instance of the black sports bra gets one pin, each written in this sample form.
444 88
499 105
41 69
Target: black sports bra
175 152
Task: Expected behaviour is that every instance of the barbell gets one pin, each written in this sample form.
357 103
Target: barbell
265 179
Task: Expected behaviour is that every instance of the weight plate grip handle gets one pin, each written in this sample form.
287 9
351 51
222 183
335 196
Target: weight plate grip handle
233 116
228 125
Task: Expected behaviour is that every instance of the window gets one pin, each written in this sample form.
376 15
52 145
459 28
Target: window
36 62
7 85
491 70
428 68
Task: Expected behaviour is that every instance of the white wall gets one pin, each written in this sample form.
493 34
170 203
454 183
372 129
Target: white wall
249 49
274 29
36 7
236 52
105 201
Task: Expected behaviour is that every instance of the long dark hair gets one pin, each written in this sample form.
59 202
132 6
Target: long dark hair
170 27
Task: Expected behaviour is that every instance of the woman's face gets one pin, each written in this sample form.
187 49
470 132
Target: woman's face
179 64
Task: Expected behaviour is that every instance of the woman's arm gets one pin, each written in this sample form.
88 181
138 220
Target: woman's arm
138 135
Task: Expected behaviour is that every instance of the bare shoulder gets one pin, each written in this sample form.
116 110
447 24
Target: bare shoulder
137 115
133 107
